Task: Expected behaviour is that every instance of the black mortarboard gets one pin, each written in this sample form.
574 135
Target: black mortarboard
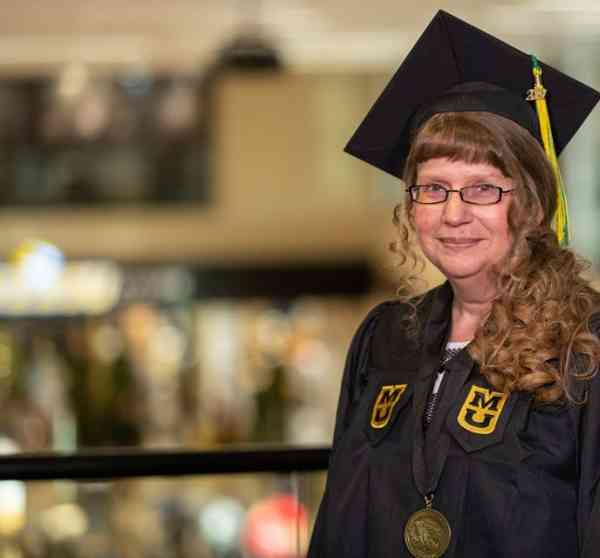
457 67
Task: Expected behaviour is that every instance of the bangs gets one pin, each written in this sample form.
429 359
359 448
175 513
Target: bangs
459 137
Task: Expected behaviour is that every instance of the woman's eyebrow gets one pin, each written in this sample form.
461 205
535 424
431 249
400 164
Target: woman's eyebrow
437 178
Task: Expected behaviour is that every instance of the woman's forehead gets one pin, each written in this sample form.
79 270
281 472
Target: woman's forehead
444 167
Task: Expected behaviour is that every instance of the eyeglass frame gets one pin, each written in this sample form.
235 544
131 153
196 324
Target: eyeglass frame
501 192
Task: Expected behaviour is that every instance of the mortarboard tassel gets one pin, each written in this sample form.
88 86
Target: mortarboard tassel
538 94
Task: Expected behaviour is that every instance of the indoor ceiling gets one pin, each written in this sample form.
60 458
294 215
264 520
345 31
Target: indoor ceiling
183 34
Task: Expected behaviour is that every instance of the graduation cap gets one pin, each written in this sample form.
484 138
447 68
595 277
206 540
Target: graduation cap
455 67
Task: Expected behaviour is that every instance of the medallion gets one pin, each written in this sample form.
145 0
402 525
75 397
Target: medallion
427 534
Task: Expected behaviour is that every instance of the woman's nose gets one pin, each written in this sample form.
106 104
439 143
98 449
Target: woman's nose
456 211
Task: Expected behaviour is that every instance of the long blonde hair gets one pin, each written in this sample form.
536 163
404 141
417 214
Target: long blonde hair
541 314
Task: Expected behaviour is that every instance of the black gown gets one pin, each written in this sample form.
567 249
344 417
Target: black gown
513 479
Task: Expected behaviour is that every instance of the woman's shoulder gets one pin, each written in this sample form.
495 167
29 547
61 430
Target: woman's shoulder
388 314
392 326
394 308
586 387
594 328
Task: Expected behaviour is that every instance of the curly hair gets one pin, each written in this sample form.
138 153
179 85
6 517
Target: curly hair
541 313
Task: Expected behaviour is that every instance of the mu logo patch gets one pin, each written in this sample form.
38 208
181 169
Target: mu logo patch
386 400
481 410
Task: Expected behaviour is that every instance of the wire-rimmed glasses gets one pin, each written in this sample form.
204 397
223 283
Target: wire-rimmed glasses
478 194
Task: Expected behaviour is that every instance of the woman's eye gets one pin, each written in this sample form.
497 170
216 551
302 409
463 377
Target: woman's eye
429 188
484 187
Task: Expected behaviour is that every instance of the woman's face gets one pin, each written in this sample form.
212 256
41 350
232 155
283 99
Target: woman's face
462 240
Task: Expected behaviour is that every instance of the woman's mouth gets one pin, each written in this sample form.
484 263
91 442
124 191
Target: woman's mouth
459 242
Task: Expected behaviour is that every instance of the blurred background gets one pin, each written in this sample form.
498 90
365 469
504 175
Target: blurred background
186 251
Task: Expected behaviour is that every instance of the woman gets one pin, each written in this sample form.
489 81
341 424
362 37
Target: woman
469 418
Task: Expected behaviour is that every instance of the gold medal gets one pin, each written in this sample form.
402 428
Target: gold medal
427 533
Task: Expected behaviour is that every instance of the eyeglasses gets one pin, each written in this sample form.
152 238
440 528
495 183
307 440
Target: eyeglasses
478 194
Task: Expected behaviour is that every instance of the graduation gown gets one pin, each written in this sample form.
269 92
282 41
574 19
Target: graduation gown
512 478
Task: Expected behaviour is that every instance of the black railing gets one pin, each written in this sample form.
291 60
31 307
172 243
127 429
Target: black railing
128 463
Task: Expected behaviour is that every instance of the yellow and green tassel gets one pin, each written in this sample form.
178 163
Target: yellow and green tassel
560 222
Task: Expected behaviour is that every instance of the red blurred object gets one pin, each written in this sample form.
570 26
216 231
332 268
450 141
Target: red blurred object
276 527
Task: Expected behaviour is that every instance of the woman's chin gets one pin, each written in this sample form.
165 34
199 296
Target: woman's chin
462 272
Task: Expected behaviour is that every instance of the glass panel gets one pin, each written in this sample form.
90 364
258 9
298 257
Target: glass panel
259 516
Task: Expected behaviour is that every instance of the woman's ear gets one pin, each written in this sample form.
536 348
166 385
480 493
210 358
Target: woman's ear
535 217
539 217
537 208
